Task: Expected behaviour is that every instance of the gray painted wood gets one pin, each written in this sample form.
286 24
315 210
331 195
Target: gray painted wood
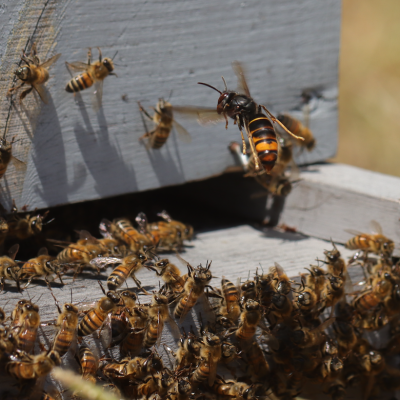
332 198
73 154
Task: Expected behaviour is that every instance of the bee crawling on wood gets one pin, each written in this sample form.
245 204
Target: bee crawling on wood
34 74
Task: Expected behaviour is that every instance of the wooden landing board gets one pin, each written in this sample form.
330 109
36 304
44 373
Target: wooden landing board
234 253
73 154
332 198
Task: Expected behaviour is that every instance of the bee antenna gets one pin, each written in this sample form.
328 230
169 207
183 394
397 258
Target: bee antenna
226 87
114 55
102 288
212 87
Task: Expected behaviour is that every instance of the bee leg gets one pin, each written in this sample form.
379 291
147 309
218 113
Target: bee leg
100 55
244 148
24 93
15 88
59 277
48 283
89 56
138 284
2 284
29 282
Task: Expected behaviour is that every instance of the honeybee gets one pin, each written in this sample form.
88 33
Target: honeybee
211 352
370 298
335 262
258 365
97 316
185 229
94 74
296 127
236 390
248 291
77 255
181 390
248 115
376 243
122 229
27 226
132 342
306 300
67 323
249 320
28 324
23 366
33 73
128 267
304 337
9 269
198 278
188 351
88 363
42 265
5 158
201 373
158 314
156 383
164 121
170 274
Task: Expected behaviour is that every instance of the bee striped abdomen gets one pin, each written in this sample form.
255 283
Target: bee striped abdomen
264 138
201 373
246 332
62 342
151 333
185 302
358 242
78 83
366 302
117 277
20 370
92 321
160 136
87 361
27 270
132 343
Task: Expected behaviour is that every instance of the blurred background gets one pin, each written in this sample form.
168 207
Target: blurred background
369 86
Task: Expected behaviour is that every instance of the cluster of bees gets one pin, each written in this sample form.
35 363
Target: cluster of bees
269 337
270 155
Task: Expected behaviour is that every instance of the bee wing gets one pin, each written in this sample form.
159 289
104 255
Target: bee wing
376 227
87 236
77 66
279 270
353 232
106 332
50 61
174 328
42 93
204 115
98 95
102 262
186 309
183 134
239 72
213 370
19 165
160 326
43 252
13 251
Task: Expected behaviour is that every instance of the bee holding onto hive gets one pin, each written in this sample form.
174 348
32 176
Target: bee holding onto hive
94 73
164 121
9 269
34 73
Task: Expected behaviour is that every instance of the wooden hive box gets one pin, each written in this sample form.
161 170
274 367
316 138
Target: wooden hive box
73 154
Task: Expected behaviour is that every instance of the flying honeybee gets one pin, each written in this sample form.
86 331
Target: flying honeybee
24 367
295 126
27 226
241 107
164 121
376 243
94 74
6 156
33 73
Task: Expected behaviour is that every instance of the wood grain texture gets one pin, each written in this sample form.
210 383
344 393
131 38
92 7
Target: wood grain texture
332 198
73 154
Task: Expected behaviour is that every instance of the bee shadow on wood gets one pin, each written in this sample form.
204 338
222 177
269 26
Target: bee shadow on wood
164 166
99 155
50 159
